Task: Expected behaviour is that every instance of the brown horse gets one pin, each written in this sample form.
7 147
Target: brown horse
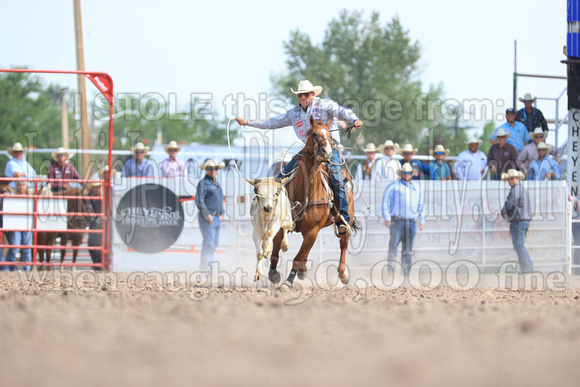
76 222
308 191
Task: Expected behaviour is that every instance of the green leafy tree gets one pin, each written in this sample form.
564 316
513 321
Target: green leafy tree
487 131
29 114
371 68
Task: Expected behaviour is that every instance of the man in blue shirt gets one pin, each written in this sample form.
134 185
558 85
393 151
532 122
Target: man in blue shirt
440 167
518 211
544 168
519 133
138 166
421 171
18 166
402 205
209 199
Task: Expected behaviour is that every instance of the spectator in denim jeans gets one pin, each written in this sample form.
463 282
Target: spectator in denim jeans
517 210
209 199
19 237
402 205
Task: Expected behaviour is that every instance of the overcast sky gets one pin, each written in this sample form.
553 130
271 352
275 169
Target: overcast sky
178 48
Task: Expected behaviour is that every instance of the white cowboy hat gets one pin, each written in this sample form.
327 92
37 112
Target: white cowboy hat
407 148
212 163
500 133
140 146
473 140
370 148
172 145
513 173
405 168
17 147
541 131
543 145
527 98
59 151
388 143
439 148
306 87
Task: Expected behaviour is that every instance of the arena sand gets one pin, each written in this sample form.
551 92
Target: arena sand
87 332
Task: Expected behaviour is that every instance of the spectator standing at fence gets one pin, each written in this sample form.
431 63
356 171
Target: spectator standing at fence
210 202
60 169
530 152
4 190
23 238
172 166
95 206
421 171
369 165
387 165
470 164
138 166
517 210
519 135
530 116
439 166
544 168
401 207
18 166
502 156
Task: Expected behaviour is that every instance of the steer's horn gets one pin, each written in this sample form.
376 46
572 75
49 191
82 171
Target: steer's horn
253 181
285 180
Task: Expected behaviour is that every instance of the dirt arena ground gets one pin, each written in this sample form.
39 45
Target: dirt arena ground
86 331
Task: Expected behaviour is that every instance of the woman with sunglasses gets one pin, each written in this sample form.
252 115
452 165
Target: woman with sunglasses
209 199
61 169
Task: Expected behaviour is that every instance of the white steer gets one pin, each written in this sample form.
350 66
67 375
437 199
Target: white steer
270 212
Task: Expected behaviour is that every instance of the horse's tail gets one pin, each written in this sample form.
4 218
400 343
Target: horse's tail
355 226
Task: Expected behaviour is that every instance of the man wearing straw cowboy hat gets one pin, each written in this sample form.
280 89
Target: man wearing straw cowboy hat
519 135
138 166
369 165
421 171
502 156
61 169
517 210
470 164
387 164
209 199
530 152
402 205
299 118
531 117
544 168
440 167
18 166
171 166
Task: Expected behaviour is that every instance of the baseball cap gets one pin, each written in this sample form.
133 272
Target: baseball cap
510 110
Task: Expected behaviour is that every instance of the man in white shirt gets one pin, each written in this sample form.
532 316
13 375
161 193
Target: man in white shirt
387 166
470 164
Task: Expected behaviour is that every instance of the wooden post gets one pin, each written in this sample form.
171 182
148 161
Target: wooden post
84 143
64 119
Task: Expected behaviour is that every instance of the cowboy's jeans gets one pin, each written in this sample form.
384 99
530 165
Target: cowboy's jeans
336 182
19 238
211 238
402 230
518 230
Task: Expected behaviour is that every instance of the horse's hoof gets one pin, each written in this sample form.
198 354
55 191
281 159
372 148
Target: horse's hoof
286 286
302 274
344 279
274 276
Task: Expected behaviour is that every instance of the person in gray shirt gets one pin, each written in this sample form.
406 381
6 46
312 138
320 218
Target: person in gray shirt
517 210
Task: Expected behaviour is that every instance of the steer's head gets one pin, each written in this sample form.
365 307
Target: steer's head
268 191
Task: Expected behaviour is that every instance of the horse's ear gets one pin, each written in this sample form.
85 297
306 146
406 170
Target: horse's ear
312 121
328 123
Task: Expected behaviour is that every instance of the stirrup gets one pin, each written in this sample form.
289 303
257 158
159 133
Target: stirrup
343 229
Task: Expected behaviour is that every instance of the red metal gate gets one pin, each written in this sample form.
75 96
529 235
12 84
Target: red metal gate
104 84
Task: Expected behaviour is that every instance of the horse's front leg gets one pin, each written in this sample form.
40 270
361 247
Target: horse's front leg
273 274
343 273
299 263
259 254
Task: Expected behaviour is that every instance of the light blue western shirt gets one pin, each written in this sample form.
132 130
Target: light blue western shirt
404 200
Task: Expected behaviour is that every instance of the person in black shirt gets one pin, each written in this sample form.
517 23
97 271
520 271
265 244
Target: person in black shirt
530 116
